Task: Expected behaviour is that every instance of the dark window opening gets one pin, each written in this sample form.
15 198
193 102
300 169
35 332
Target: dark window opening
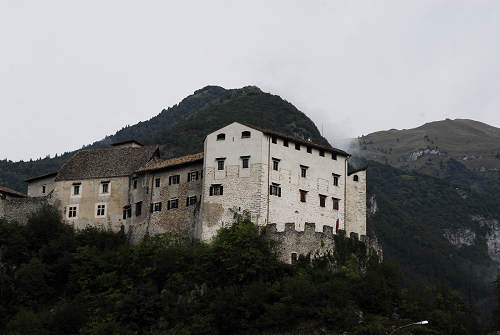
274 139
173 203
221 137
297 146
127 212
336 179
216 189
303 195
322 153
309 150
190 201
220 163
43 189
174 180
138 208
105 187
335 204
244 162
100 210
303 171
275 189
72 212
322 200
285 143
193 176
245 134
156 207
355 178
276 163
76 189
134 182
157 182
334 156
293 258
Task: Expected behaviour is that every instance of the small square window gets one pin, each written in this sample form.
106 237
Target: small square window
173 203
303 195
127 212
334 156
221 137
297 146
191 201
244 162
72 212
275 189
76 189
174 180
157 182
156 207
274 139
335 204
43 189
245 134
336 179
303 171
138 208
355 178
220 163
285 143
276 163
309 150
101 209
322 153
216 189
193 176
105 187
322 200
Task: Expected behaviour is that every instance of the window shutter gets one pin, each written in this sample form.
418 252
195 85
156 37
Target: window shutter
168 204
189 176
170 180
279 191
187 201
271 189
211 190
197 172
221 190
160 206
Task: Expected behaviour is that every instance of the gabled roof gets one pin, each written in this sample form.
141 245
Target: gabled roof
43 176
106 163
171 163
357 170
5 190
297 140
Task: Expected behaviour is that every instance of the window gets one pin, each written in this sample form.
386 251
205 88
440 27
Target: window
138 208
173 203
334 156
244 161
101 210
221 137
193 176
303 171
276 163
174 180
285 143
72 212
105 187
275 189
297 146
335 204
322 200
336 179
309 150
355 178
322 153
293 258
157 182
303 195
134 183
156 207
216 189
76 189
245 134
220 163
191 201
127 212
274 139
43 189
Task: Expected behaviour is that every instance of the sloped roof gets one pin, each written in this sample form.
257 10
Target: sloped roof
298 140
357 170
127 142
105 163
47 175
11 192
170 163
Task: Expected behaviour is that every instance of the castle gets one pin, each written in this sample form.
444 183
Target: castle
298 189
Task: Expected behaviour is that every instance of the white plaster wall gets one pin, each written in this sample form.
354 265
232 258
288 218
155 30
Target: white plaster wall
319 180
356 204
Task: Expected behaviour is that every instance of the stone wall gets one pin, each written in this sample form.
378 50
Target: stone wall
35 188
356 203
19 209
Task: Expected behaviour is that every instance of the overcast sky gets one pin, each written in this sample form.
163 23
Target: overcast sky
72 72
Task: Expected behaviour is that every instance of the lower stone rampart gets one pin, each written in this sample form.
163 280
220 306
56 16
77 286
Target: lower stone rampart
291 242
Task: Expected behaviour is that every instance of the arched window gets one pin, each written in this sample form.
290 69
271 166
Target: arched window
245 134
221 137
355 178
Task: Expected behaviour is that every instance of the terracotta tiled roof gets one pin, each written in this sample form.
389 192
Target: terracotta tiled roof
298 140
169 163
127 142
13 193
105 163
47 175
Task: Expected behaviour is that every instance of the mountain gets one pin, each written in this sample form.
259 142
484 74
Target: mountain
445 149
181 129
